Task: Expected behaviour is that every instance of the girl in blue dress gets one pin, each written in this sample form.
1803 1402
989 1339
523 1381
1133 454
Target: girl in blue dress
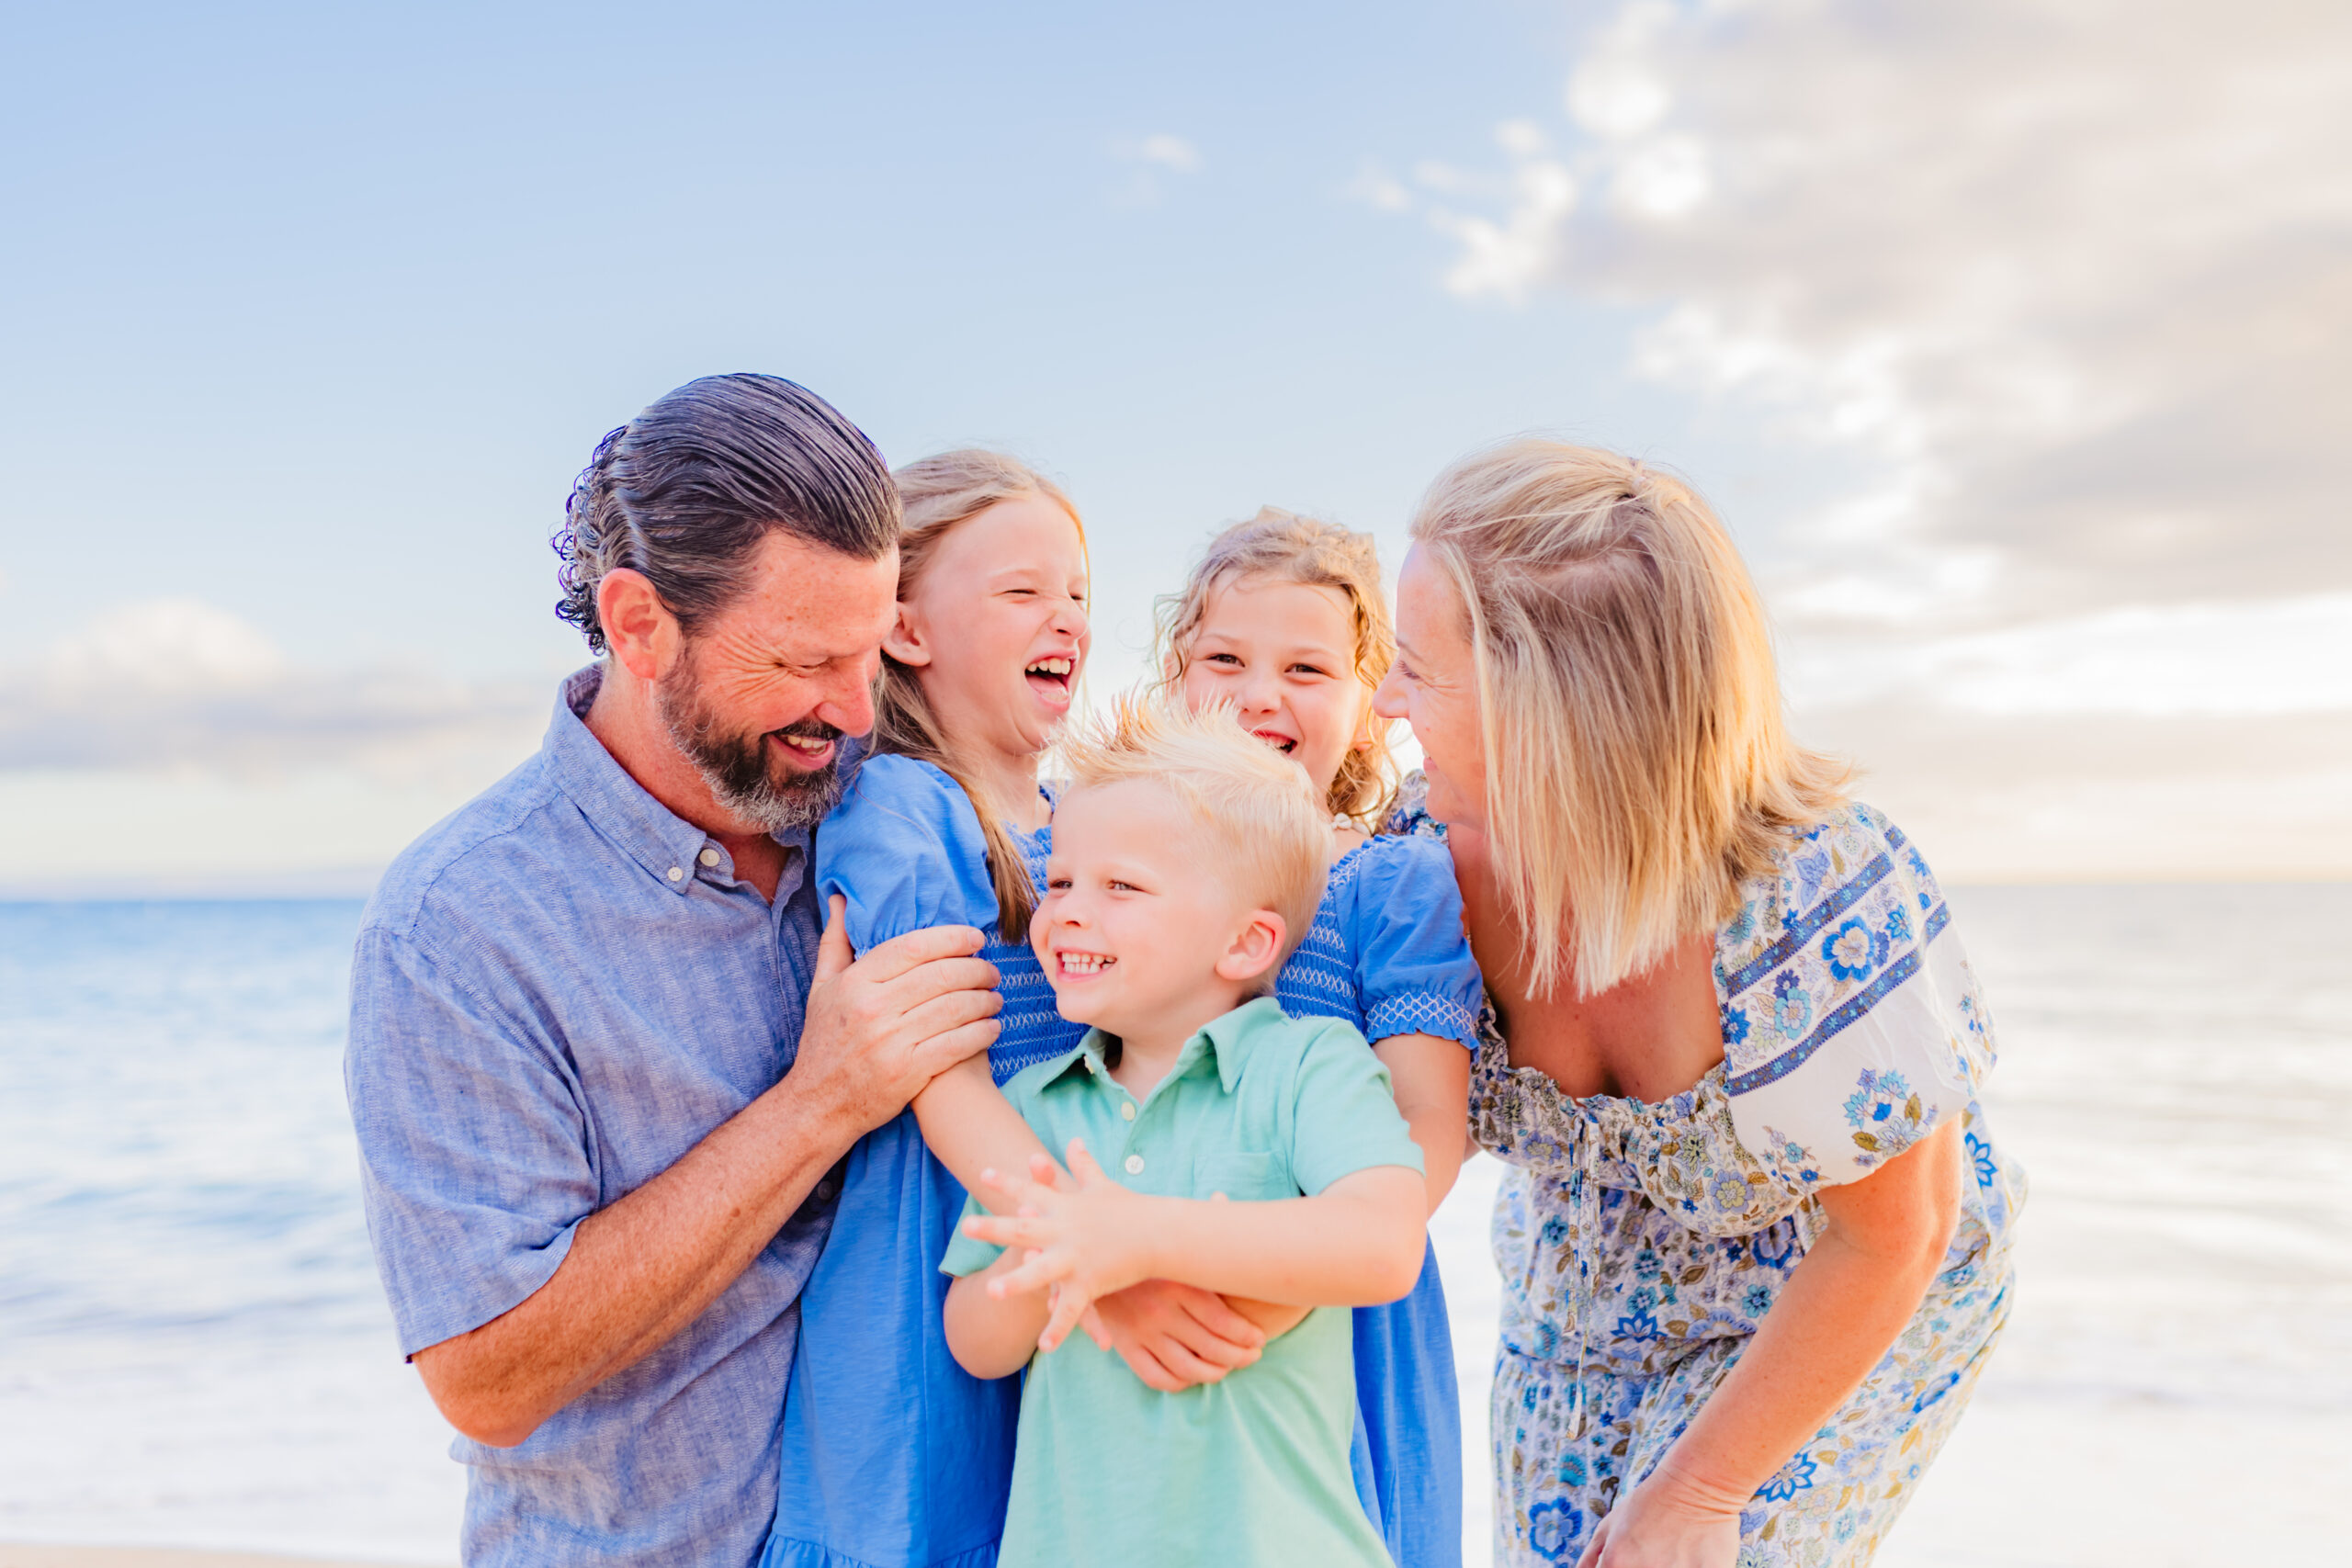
893 1456
1284 619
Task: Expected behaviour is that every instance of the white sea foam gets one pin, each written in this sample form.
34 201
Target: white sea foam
194 1350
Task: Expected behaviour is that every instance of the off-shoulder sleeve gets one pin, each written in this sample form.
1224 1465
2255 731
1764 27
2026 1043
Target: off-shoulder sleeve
905 849
1852 1026
1414 968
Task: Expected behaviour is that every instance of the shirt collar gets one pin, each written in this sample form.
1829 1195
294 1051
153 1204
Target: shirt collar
667 845
1227 1039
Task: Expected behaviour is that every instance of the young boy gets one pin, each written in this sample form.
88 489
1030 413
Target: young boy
1248 1154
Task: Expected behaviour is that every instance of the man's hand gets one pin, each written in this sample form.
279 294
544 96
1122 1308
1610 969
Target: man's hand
880 1028
1080 1228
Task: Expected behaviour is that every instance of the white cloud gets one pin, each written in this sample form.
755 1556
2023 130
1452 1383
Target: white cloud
2074 278
1170 152
1149 160
2068 284
181 686
2279 657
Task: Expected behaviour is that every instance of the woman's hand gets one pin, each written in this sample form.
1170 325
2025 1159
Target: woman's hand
1669 1521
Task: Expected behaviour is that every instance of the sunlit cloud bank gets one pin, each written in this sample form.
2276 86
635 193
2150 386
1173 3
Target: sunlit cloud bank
176 684
170 747
2072 284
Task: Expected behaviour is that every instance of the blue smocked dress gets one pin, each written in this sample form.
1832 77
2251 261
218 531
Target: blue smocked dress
1642 1243
894 1456
1387 953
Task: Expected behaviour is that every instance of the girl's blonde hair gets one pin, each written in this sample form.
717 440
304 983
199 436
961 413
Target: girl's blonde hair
937 494
1638 765
1288 547
1273 841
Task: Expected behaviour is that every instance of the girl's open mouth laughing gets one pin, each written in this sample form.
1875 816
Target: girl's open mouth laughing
1051 676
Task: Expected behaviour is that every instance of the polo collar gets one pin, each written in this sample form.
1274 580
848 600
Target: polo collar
667 845
1227 1038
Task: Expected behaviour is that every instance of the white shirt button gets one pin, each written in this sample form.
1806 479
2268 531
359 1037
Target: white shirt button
677 873
708 857
1134 1165
1126 1110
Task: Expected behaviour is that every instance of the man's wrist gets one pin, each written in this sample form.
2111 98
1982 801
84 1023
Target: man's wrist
802 1130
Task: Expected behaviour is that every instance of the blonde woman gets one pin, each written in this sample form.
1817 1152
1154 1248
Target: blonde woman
1755 1236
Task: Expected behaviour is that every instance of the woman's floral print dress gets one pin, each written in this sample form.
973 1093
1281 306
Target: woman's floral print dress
1641 1244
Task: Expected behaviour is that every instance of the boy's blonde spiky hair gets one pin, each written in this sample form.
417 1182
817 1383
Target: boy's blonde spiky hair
1275 838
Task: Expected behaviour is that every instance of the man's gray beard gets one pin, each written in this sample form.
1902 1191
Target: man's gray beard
736 766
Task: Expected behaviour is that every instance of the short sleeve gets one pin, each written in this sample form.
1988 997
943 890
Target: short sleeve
473 1159
969 1254
1851 1025
905 850
1414 969
1344 1115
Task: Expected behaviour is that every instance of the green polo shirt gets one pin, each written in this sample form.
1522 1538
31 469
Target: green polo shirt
1254 1469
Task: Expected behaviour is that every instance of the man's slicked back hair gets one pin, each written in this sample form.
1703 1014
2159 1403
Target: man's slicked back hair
685 491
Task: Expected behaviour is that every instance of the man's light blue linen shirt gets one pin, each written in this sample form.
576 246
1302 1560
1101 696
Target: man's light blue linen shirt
558 991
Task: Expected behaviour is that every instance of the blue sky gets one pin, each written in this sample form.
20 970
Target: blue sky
315 312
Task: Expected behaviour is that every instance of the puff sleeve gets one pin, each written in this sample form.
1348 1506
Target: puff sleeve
906 850
1414 968
1852 1024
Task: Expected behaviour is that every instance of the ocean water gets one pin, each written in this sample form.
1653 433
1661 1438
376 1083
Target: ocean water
193 1350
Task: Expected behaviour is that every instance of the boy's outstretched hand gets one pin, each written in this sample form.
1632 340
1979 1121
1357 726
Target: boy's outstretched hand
1082 1233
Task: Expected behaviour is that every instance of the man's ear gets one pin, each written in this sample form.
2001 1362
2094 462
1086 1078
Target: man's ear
1254 949
642 634
904 641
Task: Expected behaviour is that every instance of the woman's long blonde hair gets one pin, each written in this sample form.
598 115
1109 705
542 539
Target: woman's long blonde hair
1638 764
1288 547
938 494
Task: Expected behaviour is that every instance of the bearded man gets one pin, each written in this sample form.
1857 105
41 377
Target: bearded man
601 1061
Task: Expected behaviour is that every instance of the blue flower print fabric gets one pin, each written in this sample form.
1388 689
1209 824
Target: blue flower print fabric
1642 1243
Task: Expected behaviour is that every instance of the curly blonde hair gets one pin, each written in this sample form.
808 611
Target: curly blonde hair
1287 547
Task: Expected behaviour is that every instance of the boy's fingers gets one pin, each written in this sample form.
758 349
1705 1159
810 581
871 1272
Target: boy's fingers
1068 1305
1081 1163
1092 1322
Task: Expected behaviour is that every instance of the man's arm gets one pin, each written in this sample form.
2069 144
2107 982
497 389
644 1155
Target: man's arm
641 1268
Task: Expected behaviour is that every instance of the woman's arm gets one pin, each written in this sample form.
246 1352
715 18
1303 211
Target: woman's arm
1845 1303
992 1336
1431 1077
1357 1242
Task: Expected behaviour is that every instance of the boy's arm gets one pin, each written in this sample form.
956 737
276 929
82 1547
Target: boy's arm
992 1336
1357 1242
